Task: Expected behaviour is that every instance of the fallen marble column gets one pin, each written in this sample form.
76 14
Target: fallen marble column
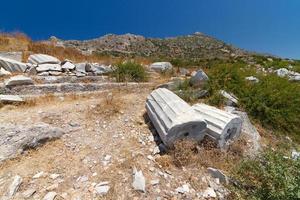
39 59
173 118
223 127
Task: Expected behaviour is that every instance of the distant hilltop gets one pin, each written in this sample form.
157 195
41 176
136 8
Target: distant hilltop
194 46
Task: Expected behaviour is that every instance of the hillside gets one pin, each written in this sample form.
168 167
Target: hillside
195 46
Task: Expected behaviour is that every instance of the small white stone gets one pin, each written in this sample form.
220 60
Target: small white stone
154 182
102 188
139 182
38 175
209 193
50 196
54 176
183 189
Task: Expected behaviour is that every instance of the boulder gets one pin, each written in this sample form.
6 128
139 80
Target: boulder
173 118
231 99
222 127
4 72
14 138
48 67
42 59
8 99
18 80
282 72
12 65
198 78
161 66
68 66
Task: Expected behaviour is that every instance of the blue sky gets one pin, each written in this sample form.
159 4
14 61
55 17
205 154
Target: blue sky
271 26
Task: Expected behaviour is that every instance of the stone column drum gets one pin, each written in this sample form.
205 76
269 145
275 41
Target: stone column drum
223 127
173 118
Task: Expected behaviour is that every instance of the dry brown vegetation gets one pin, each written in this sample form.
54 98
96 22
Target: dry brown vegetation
14 41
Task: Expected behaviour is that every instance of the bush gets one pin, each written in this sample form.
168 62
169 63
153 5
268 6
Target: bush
274 101
130 71
270 176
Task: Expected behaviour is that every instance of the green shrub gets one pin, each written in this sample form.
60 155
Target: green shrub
274 101
130 71
271 176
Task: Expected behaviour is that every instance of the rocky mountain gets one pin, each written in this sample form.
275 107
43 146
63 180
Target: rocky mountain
195 46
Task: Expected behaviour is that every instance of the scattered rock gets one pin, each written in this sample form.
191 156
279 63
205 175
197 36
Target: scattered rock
50 196
209 193
231 99
183 189
17 55
102 188
18 80
295 155
54 176
28 193
139 182
154 182
252 79
198 78
38 175
216 173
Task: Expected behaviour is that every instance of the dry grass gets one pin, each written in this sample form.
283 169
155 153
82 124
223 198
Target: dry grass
107 108
14 41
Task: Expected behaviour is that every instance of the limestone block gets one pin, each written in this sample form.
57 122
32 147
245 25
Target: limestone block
222 126
173 118
12 65
18 80
48 67
198 78
42 59
6 99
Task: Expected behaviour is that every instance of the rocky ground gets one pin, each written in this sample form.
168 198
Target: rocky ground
105 138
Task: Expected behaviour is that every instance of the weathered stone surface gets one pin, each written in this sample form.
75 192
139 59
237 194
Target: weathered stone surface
7 99
68 65
14 186
216 173
231 99
223 127
139 182
28 193
251 133
173 118
161 66
252 79
48 67
81 67
198 78
12 65
4 72
102 188
183 189
283 72
42 59
12 55
15 139
18 80
50 196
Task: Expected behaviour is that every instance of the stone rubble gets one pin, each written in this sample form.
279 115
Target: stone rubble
14 186
231 99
